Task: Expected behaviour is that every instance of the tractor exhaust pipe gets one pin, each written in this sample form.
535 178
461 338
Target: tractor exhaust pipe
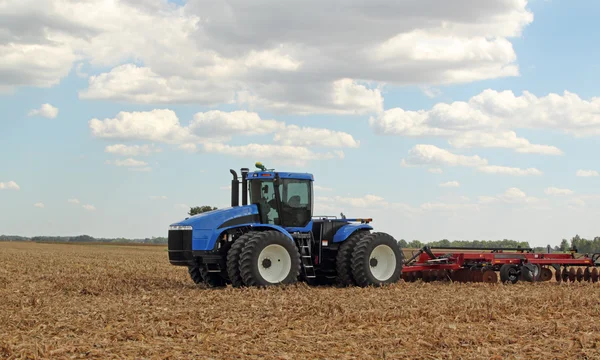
245 185
235 189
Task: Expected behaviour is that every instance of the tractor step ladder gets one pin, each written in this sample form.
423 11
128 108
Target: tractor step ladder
305 254
215 269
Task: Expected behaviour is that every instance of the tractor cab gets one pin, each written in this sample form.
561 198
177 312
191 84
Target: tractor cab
284 199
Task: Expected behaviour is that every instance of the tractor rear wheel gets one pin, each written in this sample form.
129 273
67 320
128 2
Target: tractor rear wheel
377 260
343 261
233 259
269 258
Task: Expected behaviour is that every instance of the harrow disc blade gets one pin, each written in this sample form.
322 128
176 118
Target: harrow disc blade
433 274
558 275
489 276
477 276
418 275
442 275
572 274
565 275
594 275
460 275
546 274
579 275
587 275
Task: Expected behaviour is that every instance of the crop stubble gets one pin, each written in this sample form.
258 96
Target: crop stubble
103 301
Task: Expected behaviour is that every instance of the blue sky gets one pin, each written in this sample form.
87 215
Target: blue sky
233 80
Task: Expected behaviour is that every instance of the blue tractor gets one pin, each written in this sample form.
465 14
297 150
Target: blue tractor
274 239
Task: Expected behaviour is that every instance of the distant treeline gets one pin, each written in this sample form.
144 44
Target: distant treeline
83 239
582 245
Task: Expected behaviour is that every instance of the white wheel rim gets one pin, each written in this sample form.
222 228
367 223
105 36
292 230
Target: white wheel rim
382 262
274 263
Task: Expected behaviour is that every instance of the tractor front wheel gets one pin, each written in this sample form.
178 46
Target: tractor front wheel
233 259
377 260
269 258
200 275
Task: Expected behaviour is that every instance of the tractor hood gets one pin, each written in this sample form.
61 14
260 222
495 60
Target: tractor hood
206 227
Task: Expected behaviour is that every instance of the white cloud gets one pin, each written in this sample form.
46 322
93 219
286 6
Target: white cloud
73 201
450 184
131 83
39 205
505 170
558 191
10 185
513 195
587 173
308 136
432 155
340 97
46 110
211 129
295 155
89 207
213 52
131 150
367 201
503 139
155 125
216 123
491 118
431 92
321 188
427 155
436 170
128 162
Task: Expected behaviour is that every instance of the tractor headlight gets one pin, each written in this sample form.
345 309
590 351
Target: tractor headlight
179 227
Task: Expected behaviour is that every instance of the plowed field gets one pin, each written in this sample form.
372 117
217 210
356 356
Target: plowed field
103 301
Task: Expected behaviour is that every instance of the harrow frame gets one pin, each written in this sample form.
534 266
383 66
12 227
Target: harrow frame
512 264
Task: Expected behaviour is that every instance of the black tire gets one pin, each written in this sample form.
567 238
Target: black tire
233 259
195 274
509 273
249 258
343 260
212 279
528 272
361 264
201 276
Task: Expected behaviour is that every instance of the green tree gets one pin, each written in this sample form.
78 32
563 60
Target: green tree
564 245
200 209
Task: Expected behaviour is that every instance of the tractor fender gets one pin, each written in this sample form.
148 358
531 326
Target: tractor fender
253 226
344 232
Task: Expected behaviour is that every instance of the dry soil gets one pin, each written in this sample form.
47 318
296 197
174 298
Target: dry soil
105 301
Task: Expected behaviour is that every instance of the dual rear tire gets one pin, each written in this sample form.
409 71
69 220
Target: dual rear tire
369 260
263 258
